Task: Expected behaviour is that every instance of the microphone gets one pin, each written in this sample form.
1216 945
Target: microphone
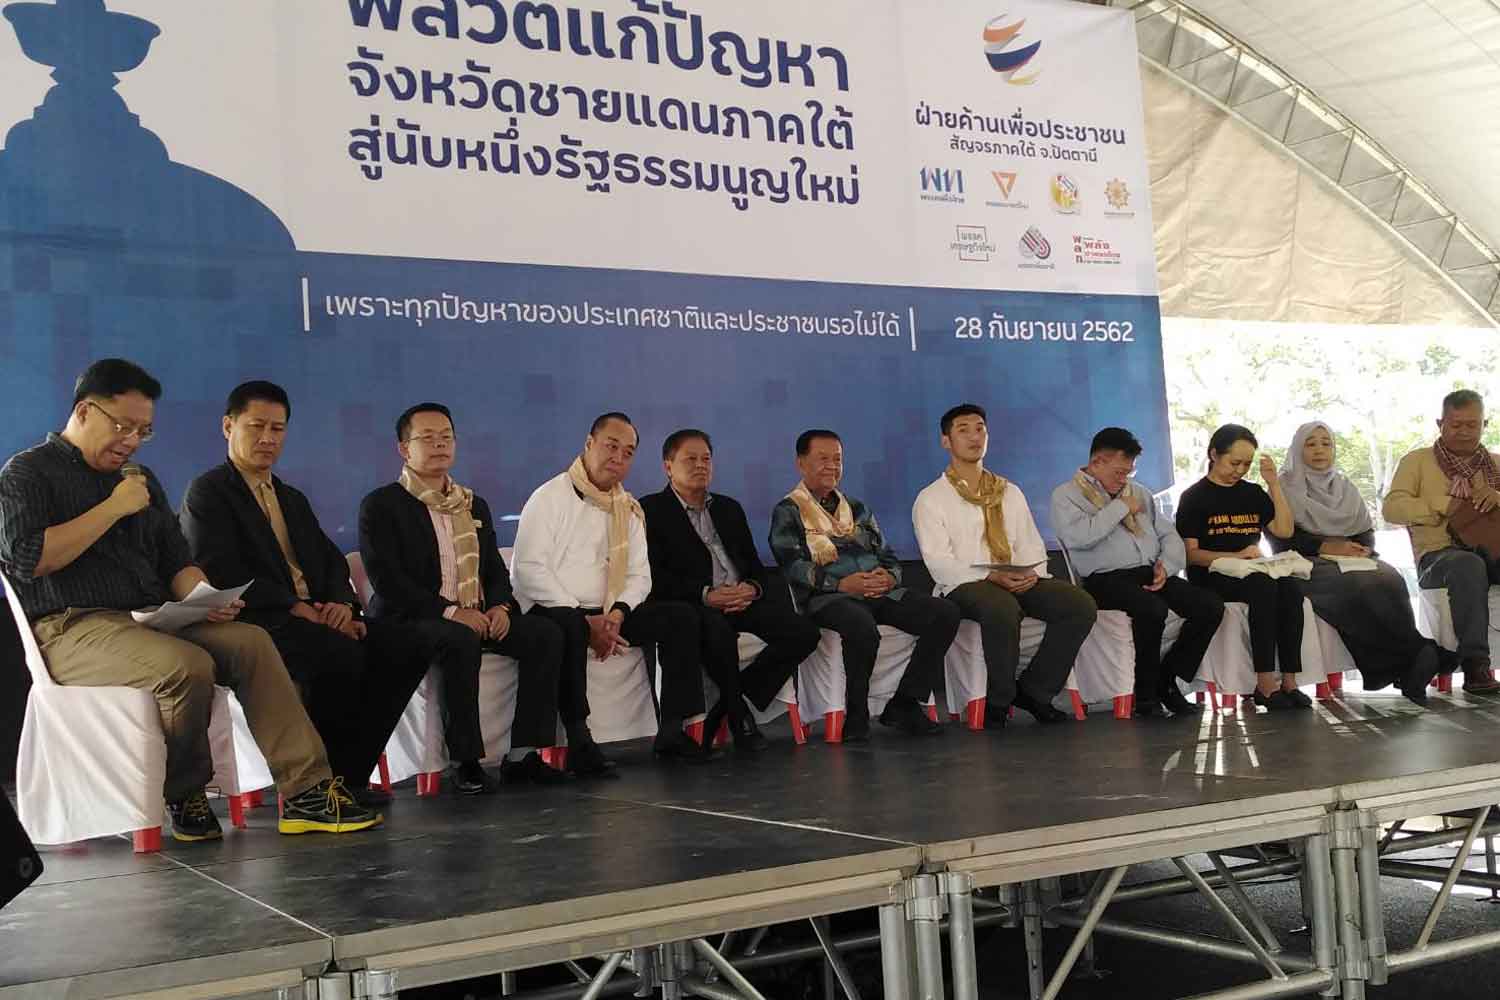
131 469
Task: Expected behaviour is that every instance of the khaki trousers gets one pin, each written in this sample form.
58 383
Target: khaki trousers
101 648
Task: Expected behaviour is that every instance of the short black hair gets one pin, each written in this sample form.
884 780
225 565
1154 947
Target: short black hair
1462 399
806 438
403 422
604 418
242 395
1115 439
114 377
962 410
1225 438
676 439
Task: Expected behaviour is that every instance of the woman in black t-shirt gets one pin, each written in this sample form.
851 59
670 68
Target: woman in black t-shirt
1221 517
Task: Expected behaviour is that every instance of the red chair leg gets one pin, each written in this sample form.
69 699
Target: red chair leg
385 774
721 738
833 726
794 717
1213 696
429 783
1080 710
1444 683
1336 682
237 811
1122 706
147 841
974 713
556 757
1324 691
932 712
694 731
256 799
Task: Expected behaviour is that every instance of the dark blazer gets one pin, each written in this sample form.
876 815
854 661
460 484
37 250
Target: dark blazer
399 548
232 542
680 564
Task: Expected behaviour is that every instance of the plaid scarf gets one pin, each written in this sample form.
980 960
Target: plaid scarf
990 498
819 525
620 506
1461 471
458 503
1094 495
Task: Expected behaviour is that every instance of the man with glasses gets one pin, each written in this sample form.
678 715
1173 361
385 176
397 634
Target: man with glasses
429 548
87 536
243 523
1128 558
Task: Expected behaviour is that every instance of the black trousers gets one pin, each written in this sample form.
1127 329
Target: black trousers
1201 611
933 620
1069 613
789 638
672 627
355 691
455 650
1275 616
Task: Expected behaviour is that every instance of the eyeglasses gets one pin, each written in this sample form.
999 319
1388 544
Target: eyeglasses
142 434
431 439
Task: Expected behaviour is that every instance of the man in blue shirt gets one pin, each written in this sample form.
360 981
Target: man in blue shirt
1128 559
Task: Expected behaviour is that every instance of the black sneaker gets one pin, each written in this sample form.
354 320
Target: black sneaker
472 779
193 820
586 760
531 769
326 807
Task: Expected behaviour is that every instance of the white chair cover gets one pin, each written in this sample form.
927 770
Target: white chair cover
1435 617
821 682
239 766
92 760
963 668
1228 664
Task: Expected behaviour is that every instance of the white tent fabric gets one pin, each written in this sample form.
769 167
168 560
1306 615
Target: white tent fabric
1243 231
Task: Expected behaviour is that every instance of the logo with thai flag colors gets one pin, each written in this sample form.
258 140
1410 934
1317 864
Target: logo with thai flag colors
1034 245
1008 52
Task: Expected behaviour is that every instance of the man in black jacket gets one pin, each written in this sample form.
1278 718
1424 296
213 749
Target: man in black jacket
429 548
702 554
242 523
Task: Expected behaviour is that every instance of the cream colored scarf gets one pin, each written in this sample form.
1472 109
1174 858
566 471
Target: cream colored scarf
820 526
1094 495
620 506
458 503
990 498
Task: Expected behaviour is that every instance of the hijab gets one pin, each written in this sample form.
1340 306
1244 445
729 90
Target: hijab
1323 502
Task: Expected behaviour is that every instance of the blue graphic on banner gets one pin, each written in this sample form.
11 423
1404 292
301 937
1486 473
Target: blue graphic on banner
109 248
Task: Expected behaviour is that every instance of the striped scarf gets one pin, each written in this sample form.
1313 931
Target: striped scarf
819 526
621 507
458 503
1461 471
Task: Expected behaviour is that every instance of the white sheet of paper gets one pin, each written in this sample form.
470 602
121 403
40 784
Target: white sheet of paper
190 610
1006 567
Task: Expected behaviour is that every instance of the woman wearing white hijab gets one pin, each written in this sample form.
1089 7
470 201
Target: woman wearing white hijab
1369 606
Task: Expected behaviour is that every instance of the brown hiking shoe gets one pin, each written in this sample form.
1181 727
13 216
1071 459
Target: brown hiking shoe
1478 677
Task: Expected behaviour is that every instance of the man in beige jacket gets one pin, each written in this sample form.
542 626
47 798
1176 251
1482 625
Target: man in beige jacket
1456 469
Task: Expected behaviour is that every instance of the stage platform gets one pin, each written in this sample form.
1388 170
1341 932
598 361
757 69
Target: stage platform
451 888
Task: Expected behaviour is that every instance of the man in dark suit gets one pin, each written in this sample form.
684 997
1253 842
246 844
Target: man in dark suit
702 554
429 548
242 523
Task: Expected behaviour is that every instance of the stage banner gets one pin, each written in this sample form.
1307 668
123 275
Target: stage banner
746 218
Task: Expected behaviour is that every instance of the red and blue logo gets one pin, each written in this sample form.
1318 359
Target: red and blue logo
1007 52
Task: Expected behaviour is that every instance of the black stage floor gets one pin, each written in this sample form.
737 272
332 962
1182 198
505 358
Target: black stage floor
450 887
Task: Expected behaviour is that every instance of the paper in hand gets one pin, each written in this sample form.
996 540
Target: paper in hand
190 610
1005 567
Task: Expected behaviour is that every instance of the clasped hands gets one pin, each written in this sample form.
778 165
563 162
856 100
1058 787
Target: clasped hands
732 598
492 624
339 617
872 583
604 634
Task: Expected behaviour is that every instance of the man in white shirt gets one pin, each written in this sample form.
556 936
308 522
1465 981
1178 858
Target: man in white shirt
581 560
985 554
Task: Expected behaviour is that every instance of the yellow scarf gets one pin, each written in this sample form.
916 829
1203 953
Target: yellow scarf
819 526
458 503
619 505
989 497
1094 495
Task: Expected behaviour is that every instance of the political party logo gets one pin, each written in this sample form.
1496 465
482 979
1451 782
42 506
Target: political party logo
972 243
1093 250
1034 245
1005 185
942 184
1067 199
1008 52
1117 197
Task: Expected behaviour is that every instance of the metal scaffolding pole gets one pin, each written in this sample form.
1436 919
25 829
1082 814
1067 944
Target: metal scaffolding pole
1354 968
833 961
958 890
1238 926
1372 916
1031 926
1252 912
1103 891
1458 865
602 977
895 952
924 909
726 969
1317 902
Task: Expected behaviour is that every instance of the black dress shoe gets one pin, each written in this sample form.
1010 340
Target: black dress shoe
681 746
1151 710
531 769
1276 701
372 796
1298 697
996 717
907 716
857 731
1040 711
747 735
1423 669
1178 703
471 779
586 760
